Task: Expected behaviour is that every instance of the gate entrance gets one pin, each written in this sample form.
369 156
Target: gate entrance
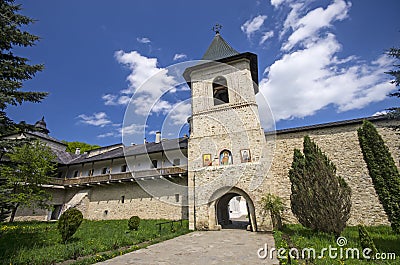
235 210
232 212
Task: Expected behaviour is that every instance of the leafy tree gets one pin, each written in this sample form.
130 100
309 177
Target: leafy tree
5 206
320 199
71 146
14 70
30 167
383 171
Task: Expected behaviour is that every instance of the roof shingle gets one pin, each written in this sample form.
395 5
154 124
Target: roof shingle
218 49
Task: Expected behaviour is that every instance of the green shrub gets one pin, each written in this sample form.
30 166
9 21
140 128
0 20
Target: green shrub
320 199
366 241
134 222
69 222
383 171
274 205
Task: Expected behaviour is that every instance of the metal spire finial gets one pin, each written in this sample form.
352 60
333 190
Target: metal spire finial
217 28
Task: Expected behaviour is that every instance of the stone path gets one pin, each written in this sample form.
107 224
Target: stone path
228 246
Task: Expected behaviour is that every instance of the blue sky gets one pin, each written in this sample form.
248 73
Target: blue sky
319 60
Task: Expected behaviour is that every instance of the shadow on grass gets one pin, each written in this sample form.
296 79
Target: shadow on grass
70 241
388 245
300 231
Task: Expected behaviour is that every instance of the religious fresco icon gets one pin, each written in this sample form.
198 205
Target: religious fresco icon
245 155
207 160
225 157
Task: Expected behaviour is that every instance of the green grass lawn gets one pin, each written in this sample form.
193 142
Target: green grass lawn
40 242
296 236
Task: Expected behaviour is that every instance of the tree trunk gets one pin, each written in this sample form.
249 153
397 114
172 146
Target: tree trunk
276 221
13 212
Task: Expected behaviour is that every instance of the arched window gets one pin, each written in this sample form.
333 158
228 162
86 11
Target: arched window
220 91
225 157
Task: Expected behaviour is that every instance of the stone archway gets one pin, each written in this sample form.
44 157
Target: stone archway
219 212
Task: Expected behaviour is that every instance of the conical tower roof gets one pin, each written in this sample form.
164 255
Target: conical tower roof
221 52
219 49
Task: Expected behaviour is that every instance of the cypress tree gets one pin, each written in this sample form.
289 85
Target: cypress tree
366 240
383 171
320 199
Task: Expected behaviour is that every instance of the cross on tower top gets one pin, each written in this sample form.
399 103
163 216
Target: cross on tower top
217 28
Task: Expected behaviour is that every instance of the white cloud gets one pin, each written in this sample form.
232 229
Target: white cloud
179 56
305 81
147 83
310 75
113 100
306 28
380 113
143 40
132 129
253 25
277 3
145 74
267 35
106 135
161 106
97 119
124 100
180 112
109 99
141 68
292 18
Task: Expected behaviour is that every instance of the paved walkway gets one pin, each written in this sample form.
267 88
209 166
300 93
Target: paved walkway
228 246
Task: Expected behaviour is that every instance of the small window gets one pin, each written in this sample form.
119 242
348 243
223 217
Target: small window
75 173
104 170
154 163
122 199
177 162
177 197
91 172
220 91
123 168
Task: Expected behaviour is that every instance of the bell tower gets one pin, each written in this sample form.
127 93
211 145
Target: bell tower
227 144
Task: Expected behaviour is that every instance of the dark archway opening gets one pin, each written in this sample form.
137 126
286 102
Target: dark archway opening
232 212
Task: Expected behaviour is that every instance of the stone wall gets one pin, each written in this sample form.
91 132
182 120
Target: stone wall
37 214
106 202
340 144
